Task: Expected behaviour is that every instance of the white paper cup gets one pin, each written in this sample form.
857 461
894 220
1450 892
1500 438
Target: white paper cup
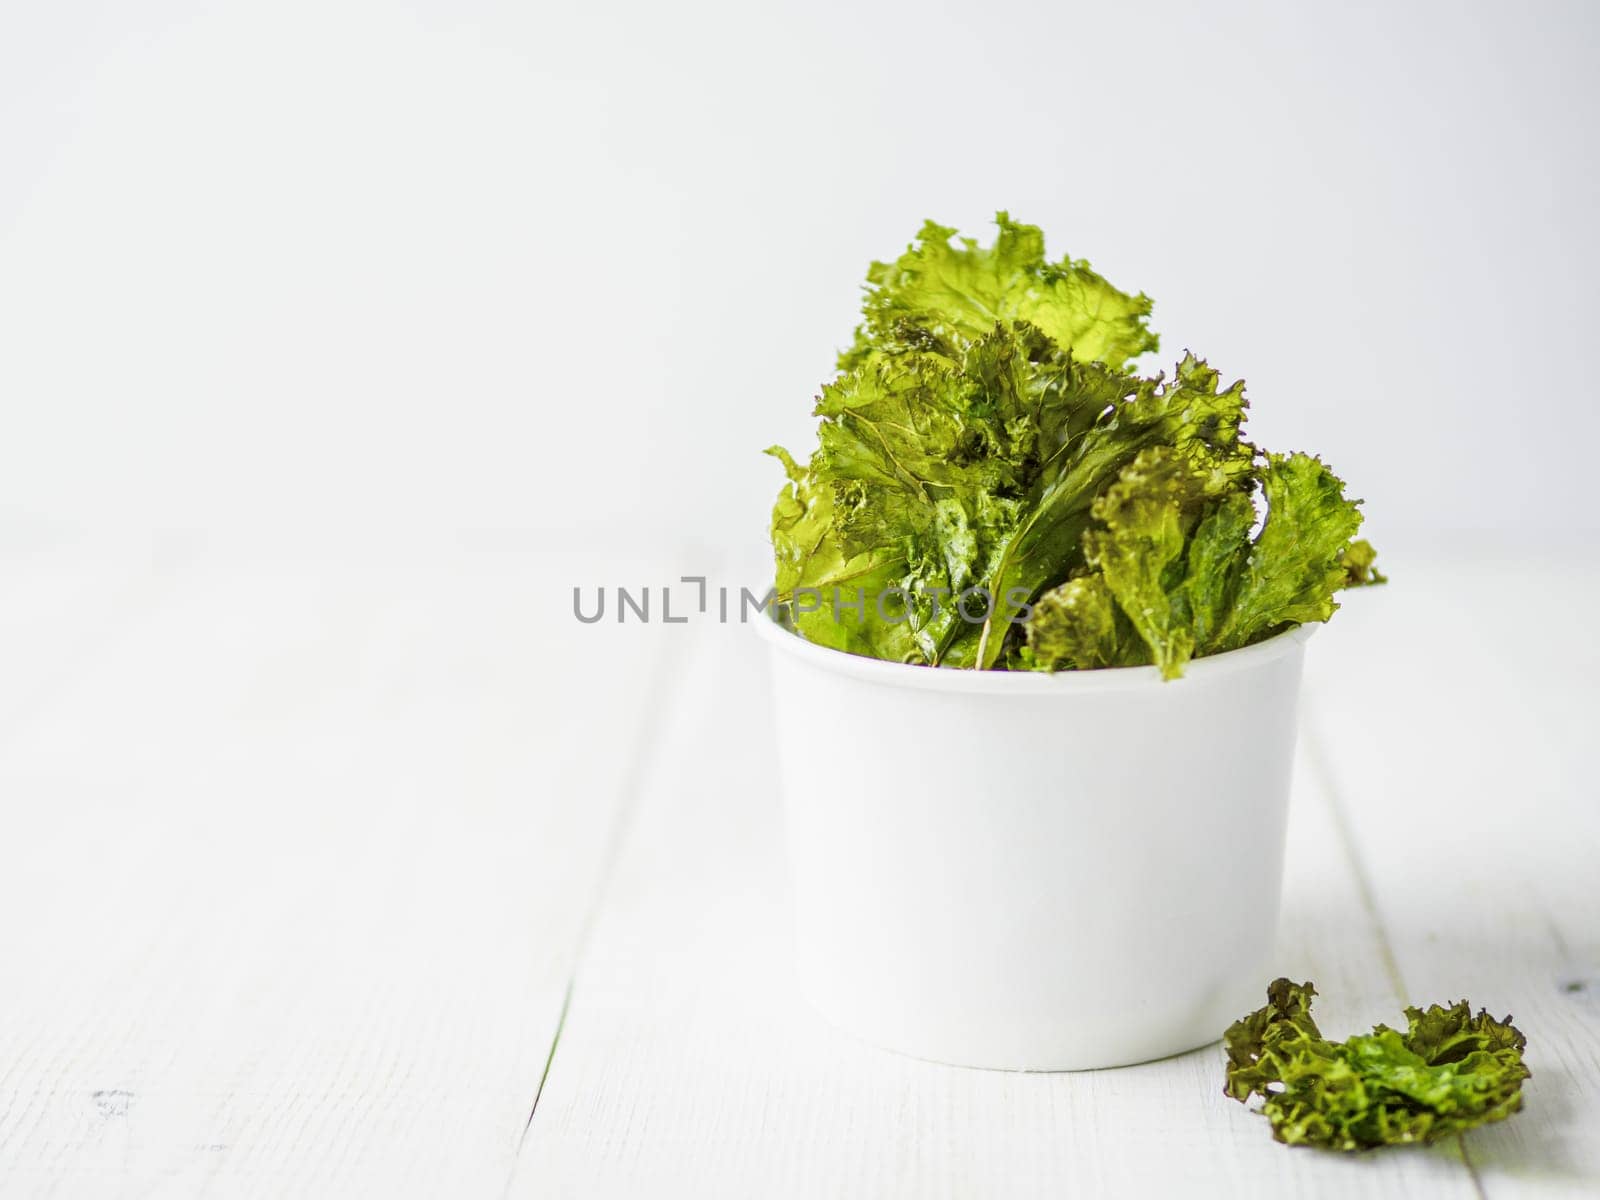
1035 872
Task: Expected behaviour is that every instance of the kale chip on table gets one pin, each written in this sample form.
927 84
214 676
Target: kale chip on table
1448 1071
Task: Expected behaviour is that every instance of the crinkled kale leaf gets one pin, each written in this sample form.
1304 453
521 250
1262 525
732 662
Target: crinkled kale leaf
1447 1072
994 485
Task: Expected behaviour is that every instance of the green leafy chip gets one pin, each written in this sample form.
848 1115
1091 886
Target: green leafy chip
995 486
1448 1071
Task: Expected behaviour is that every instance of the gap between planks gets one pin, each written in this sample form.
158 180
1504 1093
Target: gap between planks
1316 759
665 683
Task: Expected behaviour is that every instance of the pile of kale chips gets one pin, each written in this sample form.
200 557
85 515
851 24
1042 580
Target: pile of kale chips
994 487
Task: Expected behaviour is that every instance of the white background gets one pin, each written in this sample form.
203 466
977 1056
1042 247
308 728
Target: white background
465 266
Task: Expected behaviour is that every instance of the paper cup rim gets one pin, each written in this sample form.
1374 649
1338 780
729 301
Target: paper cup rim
1021 683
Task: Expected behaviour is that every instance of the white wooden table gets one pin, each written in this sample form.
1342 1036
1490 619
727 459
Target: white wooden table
382 876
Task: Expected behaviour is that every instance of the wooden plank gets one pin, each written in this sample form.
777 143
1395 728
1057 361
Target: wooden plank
295 873
688 1066
1461 701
